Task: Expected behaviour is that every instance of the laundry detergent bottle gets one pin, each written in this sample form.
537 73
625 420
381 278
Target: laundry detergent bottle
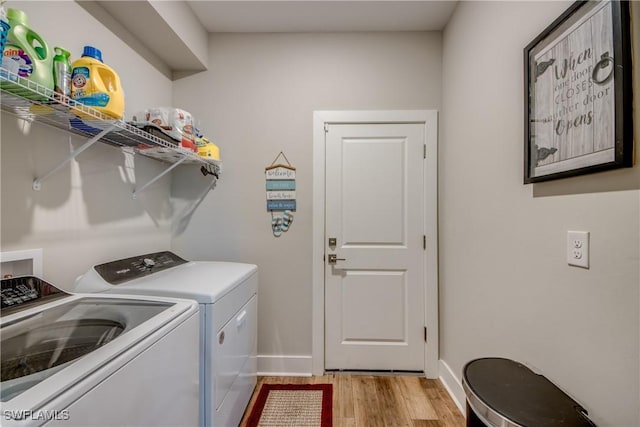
28 56
96 85
4 28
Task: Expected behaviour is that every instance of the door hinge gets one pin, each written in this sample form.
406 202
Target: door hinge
425 334
424 242
424 151
326 127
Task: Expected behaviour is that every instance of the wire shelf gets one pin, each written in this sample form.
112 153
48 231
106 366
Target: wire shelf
33 102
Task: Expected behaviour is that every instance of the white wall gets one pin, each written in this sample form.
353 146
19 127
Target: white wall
505 287
84 214
256 100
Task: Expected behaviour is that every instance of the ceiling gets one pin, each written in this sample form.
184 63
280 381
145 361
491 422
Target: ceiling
322 16
168 48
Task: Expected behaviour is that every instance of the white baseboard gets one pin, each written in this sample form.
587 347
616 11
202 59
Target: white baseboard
284 366
453 386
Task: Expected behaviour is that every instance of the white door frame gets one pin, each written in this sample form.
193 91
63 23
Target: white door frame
430 120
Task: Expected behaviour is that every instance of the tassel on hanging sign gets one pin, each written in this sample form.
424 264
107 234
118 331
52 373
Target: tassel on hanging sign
281 194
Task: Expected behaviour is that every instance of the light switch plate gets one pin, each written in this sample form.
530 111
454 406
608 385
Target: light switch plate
578 248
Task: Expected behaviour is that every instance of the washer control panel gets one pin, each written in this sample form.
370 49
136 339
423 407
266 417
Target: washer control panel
25 291
124 270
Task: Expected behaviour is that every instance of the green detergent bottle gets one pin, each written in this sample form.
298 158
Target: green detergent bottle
27 55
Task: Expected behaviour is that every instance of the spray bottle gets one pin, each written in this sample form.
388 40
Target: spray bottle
62 72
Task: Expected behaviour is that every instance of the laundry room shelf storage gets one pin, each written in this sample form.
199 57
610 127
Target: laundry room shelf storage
35 103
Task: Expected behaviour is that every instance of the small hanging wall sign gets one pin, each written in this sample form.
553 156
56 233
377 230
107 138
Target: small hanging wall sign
281 194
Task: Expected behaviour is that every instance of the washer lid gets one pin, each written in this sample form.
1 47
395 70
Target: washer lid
204 281
75 335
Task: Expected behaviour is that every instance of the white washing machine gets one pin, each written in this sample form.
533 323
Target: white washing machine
96 360
227 294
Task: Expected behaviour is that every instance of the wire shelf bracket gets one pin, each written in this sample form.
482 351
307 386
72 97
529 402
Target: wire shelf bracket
37 183
166 171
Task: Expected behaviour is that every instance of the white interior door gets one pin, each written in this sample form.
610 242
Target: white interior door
374 209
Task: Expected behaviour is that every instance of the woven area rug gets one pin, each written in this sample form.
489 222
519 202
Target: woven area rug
293 405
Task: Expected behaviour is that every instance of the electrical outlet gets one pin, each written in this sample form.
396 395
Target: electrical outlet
578 248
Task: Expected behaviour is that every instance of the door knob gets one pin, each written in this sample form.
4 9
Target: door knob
333 258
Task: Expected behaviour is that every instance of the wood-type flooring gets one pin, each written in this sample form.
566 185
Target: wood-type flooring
381 401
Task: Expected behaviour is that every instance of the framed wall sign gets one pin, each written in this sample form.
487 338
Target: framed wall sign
578 93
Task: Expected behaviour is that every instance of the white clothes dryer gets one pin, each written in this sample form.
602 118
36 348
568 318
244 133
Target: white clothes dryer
96 360
228 296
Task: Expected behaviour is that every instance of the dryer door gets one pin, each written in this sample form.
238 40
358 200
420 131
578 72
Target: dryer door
234 352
